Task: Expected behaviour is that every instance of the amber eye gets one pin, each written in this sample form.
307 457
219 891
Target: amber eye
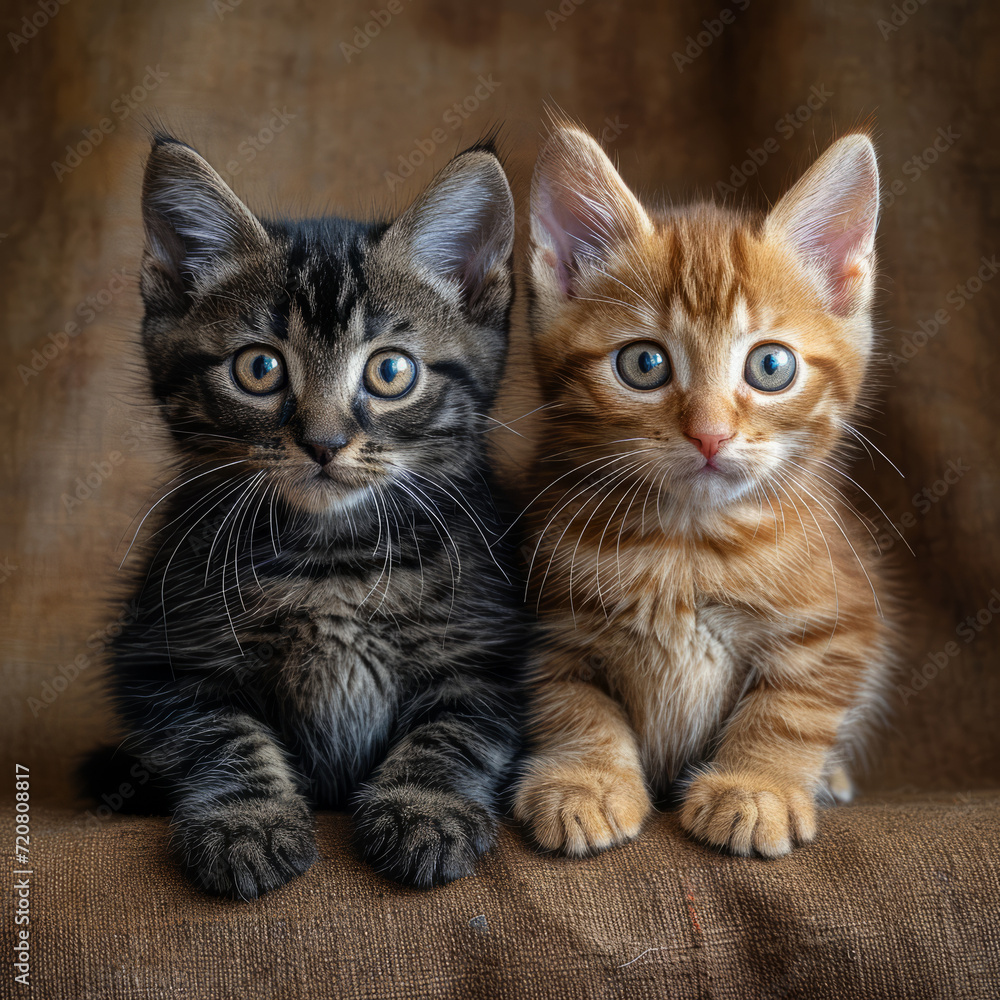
643 365
259 370
770 367
390 374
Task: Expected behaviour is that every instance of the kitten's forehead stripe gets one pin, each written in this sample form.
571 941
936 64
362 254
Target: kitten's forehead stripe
374 324
700 264
279 314
326 274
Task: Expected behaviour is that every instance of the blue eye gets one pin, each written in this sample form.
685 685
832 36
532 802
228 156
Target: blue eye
770 367
643 365
390 374
259 370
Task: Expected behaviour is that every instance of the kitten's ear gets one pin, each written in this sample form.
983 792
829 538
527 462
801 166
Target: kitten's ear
195 225
581 210
829 218
460 232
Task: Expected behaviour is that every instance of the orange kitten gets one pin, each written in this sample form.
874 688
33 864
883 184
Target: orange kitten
710 616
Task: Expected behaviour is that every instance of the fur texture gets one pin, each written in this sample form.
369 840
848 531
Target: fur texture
325 618
713 627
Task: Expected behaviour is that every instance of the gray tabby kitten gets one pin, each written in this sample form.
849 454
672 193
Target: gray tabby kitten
326 618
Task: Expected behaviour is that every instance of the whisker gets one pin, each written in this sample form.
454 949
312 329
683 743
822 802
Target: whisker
867 441
836 522
844 501
587 484
853 481
174 490
833 568
177 548
572 562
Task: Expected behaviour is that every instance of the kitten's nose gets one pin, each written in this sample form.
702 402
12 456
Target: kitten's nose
707 444
323 451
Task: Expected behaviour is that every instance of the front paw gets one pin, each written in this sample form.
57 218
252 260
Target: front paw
745 812
422 836
245 848
579 809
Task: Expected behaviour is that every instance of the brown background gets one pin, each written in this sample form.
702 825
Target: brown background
224 69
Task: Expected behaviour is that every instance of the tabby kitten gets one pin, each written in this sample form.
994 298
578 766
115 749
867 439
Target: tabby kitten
324 620
711 622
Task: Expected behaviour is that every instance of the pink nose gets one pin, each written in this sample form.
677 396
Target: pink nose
707 444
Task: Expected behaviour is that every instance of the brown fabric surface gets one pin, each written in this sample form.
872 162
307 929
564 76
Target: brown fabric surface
897 899
229 65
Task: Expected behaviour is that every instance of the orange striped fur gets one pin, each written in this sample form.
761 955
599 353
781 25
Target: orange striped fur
711 621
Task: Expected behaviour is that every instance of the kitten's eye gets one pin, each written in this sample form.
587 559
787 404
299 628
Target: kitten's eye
390 374
259 370
643 365
770 367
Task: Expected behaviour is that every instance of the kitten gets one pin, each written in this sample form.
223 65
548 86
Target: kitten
711 622
322 622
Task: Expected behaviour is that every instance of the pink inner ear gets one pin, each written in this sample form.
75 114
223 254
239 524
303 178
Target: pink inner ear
830 218
572 228
581 208
841 256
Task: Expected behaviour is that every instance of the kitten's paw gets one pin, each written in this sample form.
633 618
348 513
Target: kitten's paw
579 810
422 836
745 812
243 849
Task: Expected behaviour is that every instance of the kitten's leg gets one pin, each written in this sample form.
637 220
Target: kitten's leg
583 790
240 824
758 795
430 809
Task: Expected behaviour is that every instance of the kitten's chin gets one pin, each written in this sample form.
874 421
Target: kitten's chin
326 498
708 489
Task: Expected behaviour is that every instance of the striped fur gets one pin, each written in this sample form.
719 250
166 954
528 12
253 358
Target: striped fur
715 630
325 616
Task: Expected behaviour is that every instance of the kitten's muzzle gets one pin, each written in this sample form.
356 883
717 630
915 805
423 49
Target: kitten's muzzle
324 452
